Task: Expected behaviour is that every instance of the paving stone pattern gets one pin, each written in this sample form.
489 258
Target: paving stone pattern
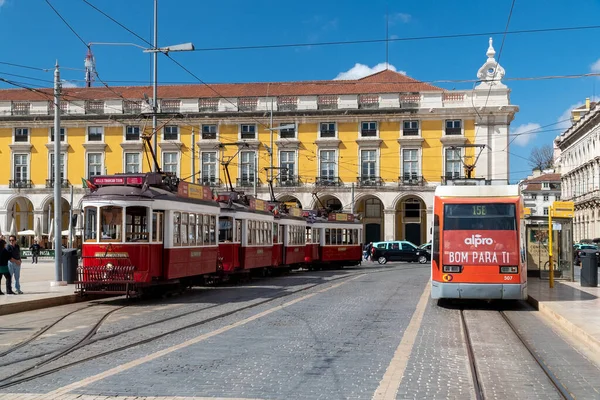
438 366
335 345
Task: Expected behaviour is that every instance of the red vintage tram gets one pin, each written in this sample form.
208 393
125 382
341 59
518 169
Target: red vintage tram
141 230
289 240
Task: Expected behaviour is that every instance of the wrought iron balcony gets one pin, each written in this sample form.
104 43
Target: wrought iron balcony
449 178
20 184
328 181
453 131
211 181
247 182
369 181
288 181
410 180
64 183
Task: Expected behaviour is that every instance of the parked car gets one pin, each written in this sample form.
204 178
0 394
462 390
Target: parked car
399 250
426 246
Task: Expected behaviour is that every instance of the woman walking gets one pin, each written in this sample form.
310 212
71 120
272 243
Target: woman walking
4 257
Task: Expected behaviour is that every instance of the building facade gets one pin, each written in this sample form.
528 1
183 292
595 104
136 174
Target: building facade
376 146
579 164
540 190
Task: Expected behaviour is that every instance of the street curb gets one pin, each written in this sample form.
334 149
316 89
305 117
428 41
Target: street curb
566 326
38 304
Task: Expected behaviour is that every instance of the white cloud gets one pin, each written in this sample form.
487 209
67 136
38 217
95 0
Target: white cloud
2 2
400 17
362 70
67 84
595 66
523 134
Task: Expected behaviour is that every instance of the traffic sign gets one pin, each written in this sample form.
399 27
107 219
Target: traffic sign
563 209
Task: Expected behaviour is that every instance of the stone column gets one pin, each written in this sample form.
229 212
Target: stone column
389 224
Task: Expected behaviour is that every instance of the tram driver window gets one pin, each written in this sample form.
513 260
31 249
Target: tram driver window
136 224
91 217
225 229
111 223
157 226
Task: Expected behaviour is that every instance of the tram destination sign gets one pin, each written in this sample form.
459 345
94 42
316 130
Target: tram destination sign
341 217
193 191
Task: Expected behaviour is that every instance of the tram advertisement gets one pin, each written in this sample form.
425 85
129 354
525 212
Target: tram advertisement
471 247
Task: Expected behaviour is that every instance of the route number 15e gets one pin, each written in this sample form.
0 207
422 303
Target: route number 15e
479 210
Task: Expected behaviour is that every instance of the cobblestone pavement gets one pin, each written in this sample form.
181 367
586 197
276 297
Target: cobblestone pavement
333 341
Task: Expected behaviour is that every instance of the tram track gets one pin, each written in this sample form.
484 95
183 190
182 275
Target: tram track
17 378
477 379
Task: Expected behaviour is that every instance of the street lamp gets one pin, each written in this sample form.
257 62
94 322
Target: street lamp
155 50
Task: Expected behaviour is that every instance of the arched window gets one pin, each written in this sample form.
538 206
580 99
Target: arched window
373 208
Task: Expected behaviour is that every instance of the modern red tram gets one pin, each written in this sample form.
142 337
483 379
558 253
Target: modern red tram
141 230
478 243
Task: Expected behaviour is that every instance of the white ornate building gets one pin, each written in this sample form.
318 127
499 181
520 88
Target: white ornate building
579 165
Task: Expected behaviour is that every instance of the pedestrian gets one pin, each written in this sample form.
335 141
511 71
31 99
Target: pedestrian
367 251
4 256
35 252
14 263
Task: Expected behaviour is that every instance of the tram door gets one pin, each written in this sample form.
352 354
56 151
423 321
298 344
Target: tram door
158 247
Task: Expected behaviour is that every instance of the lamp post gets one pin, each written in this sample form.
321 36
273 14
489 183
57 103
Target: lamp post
154 50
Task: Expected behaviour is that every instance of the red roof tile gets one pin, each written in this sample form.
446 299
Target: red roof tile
545 178
382 82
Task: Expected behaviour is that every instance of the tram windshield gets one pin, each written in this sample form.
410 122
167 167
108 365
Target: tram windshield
111 223
90 223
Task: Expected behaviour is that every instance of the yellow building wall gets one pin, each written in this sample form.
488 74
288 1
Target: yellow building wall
5 140
389 164
348 158
432 151
308 153
470 152
39 161
76 158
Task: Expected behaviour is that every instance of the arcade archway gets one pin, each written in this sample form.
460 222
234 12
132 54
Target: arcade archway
371 209
411 220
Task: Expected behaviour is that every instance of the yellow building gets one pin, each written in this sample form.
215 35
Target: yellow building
377 146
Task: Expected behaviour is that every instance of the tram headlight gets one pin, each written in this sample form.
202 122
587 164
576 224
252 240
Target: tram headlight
452 268
511 269
109 267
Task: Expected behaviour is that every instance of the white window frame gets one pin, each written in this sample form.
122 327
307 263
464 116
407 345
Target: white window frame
252 162
462 126
14 170
202 131
87 134
360 130
216 153
51 169
335 163
87 162
295 128
50 134
335 130
240 131
461 171
177 157
171 140
294 173
545 211
139 154
418 135
139 139
21 128
419 161
360 162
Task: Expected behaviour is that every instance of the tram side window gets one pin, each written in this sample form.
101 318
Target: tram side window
176 226
199 227
327 236
275 233
316 235
184 228
192 230
225 229
308 235
111 223
157 227
213 230
238 231
136 224
206 227
91 217
355 236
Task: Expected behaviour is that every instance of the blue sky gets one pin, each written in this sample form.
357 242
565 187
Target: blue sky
33 35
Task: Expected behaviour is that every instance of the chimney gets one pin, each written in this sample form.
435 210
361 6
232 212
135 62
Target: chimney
536 172
587 104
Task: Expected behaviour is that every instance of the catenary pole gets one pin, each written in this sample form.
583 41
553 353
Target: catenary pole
155 82
57 182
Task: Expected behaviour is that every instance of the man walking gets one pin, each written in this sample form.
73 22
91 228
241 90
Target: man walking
14 263
35 252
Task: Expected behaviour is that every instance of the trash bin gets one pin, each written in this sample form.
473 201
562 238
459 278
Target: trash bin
69 265
589 268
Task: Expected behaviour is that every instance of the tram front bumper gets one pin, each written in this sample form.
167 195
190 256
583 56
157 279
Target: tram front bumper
487 291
